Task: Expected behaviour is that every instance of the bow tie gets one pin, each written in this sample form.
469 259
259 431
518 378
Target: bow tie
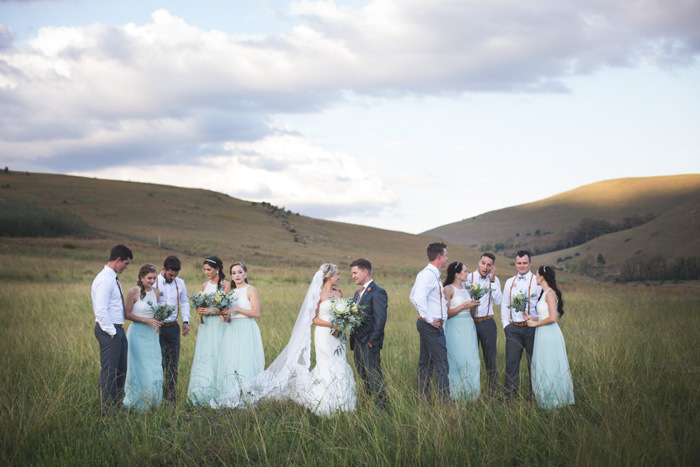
521 277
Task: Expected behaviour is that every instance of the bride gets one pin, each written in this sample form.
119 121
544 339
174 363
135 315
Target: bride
330 386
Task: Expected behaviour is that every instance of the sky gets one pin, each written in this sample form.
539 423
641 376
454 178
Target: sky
398 114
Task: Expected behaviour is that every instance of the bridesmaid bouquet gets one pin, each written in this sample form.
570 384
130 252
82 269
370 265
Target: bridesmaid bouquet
476 291
200 299
222 300
346 315
520 301
160 312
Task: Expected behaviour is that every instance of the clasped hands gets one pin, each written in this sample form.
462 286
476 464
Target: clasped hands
530 321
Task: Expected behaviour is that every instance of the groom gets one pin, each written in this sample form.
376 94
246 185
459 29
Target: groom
366 341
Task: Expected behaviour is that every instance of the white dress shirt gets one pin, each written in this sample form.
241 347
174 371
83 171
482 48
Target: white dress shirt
172 294
487 301
526 284
428 296
363 289
107 300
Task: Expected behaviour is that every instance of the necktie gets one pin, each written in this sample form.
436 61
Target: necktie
359 294
121 294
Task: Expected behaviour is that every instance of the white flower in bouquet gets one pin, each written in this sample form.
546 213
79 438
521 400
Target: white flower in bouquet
476 291
346 315
222 300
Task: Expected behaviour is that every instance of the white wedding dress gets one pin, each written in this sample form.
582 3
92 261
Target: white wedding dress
332 381
328 388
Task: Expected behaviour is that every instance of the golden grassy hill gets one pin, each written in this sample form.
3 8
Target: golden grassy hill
610 200
673 233
193 223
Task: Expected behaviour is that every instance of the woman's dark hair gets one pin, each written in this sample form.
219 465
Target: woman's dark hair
245 269
217 264
547 273
145 269
452 270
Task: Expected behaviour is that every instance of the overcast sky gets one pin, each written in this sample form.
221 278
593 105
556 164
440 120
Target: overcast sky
400 114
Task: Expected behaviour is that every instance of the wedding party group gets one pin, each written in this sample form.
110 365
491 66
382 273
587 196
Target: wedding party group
139 367
228 365
456 315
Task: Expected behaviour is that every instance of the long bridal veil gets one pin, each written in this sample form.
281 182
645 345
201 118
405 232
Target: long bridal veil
288 376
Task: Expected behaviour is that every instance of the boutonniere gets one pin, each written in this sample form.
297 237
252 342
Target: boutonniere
369 288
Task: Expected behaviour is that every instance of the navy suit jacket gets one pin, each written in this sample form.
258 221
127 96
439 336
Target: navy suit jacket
375 301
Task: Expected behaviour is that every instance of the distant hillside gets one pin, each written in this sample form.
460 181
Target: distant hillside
200 222
672 201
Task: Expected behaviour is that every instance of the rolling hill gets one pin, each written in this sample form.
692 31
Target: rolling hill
672 201
196 223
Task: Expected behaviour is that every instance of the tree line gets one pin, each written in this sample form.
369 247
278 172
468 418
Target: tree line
586 230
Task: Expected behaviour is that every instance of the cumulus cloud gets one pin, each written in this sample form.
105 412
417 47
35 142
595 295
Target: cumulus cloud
83 98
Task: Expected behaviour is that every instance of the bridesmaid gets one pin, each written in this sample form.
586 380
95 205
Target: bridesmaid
551 376
460 335
144 374
241 356
202 386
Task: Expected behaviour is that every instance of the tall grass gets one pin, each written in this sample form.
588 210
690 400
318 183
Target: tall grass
633 352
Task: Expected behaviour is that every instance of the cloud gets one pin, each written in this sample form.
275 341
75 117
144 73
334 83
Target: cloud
285 170
82 98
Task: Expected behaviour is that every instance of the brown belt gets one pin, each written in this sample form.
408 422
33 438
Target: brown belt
118 325
167 325
519 323
478 320
423 319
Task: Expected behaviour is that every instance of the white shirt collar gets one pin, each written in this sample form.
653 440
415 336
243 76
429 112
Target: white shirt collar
524 276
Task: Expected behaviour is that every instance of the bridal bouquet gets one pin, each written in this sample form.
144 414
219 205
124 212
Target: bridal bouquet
476 291
346 315
160 312
520 301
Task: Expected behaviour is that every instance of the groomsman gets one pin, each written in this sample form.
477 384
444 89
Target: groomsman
486 329
367 340
108 305
518 335
428 298
172 292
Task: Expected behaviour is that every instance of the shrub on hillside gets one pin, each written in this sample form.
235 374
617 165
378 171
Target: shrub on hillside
660 268
30 220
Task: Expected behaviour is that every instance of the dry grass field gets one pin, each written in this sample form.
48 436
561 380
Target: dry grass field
633 349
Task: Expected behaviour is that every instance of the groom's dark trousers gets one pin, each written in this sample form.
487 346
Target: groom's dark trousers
368 359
